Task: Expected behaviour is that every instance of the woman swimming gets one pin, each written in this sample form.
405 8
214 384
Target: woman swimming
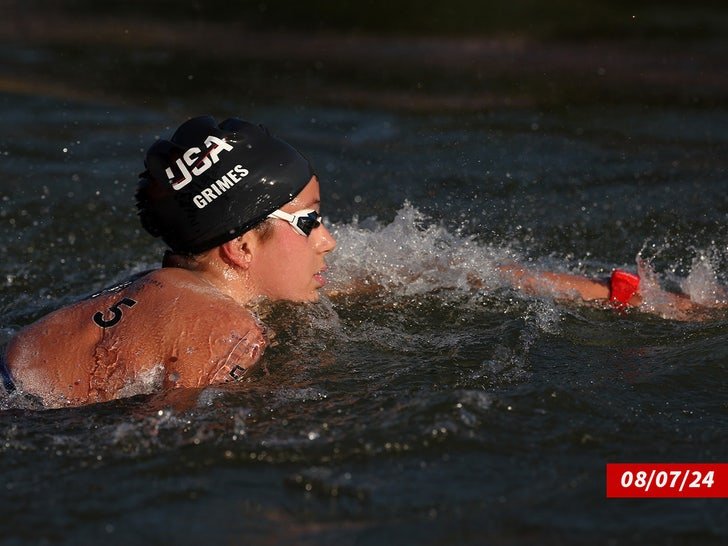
240 212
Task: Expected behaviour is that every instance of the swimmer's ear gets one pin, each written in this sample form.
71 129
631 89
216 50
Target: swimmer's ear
239 251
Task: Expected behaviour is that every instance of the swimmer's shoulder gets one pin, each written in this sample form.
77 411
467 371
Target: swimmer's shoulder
172 280
220 348
167 288
145 302
165 316
222 338
169 298
182 300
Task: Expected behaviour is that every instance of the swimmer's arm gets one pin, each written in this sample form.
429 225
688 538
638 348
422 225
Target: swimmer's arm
540 283
560 285
355 287
567 286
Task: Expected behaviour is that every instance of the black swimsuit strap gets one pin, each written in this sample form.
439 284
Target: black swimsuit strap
122 284
5 374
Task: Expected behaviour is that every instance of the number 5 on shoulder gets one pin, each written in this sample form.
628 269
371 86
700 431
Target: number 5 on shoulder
116 313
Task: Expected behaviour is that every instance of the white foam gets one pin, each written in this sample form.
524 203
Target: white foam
702 284
412 255
416 255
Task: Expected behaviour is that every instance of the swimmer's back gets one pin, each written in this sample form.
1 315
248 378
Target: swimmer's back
167 322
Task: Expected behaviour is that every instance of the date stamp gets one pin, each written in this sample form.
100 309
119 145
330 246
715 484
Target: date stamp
667 480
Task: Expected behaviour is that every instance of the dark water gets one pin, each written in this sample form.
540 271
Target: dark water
430 412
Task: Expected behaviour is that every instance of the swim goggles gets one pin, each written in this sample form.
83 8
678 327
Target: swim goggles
303 222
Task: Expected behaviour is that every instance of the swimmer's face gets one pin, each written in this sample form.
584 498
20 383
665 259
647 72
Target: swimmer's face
287 265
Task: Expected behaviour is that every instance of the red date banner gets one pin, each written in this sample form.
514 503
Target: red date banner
667 480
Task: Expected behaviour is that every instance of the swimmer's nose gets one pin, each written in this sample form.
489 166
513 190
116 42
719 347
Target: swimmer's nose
325 241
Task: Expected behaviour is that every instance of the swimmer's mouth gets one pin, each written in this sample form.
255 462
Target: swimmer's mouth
319 276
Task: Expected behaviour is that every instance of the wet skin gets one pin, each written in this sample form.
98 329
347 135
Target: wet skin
181 327
292 267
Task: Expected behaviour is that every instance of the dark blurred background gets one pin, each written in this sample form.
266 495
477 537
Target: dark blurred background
460 55
538 18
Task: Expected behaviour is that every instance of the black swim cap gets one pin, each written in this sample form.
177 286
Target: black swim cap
211 183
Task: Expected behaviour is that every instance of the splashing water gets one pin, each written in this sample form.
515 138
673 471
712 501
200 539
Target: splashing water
430 269
702 283
701 286
413 255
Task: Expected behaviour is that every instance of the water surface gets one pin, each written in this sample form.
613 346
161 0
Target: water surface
427 412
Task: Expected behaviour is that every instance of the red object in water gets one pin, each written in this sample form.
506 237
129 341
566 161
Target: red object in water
622 286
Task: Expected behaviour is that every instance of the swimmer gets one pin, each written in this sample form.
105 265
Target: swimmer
240 212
